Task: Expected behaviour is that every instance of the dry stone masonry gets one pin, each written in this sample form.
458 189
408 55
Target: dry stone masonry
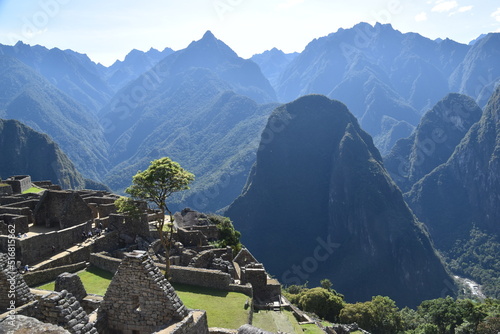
63 309
71 283
139 299
13 288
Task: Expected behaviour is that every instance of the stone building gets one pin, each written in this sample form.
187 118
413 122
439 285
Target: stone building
63 309
140 300
13 288
19 183
61 209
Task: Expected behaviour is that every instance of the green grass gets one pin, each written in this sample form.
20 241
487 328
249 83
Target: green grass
95 281
277 321
224 309
33 190
311 329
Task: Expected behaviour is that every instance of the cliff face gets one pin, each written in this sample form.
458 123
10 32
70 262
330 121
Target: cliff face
23 151
319 204
464 191
431 144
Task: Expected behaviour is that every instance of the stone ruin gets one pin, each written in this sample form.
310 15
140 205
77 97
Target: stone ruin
140 300
61 209
13 288
71 283
64 310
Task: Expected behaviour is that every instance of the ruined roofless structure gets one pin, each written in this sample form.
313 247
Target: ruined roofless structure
140 300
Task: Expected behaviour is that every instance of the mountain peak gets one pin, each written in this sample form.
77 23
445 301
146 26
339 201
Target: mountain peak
208 36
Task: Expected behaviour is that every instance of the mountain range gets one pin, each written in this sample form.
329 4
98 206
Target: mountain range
319 204
420 100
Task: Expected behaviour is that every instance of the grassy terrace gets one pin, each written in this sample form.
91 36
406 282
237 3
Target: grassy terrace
33 190
224 309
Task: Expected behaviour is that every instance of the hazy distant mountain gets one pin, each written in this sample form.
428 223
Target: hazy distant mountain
273 62
71 72
474 41
434 140
135 63
479 73
26 96
378 71
23 151
194 111
463 191
319 204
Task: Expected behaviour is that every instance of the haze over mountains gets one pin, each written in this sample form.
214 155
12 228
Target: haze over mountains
207 109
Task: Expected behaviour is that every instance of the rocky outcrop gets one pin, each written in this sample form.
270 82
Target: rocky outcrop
464 190
433 141
320 204
20 324
26 151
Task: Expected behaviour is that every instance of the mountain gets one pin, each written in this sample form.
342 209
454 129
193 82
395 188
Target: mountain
71 72
28 97
319 204
24 151
463 191
272 63
197 107
135 63
379 72
479 73
440 130
459 202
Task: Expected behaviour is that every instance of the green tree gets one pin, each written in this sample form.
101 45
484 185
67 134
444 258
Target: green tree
326 284
378 316
445 313
325 304
128 206
228 236
161 179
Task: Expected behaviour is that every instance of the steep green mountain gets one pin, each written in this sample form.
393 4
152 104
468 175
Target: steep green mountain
24 151
459 201
463 191
135 63
319 204
272 63
71 72
193 109
26 96
434 140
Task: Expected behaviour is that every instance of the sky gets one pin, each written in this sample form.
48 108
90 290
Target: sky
106 30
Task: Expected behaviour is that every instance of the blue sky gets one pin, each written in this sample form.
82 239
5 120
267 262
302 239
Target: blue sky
107 30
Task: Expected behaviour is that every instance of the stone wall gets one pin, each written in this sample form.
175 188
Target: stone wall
34 248
195 323
20 224
34 278
200 277
63 309
19 183
139 298
13 287
5 189
62 209
71 283
104 262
